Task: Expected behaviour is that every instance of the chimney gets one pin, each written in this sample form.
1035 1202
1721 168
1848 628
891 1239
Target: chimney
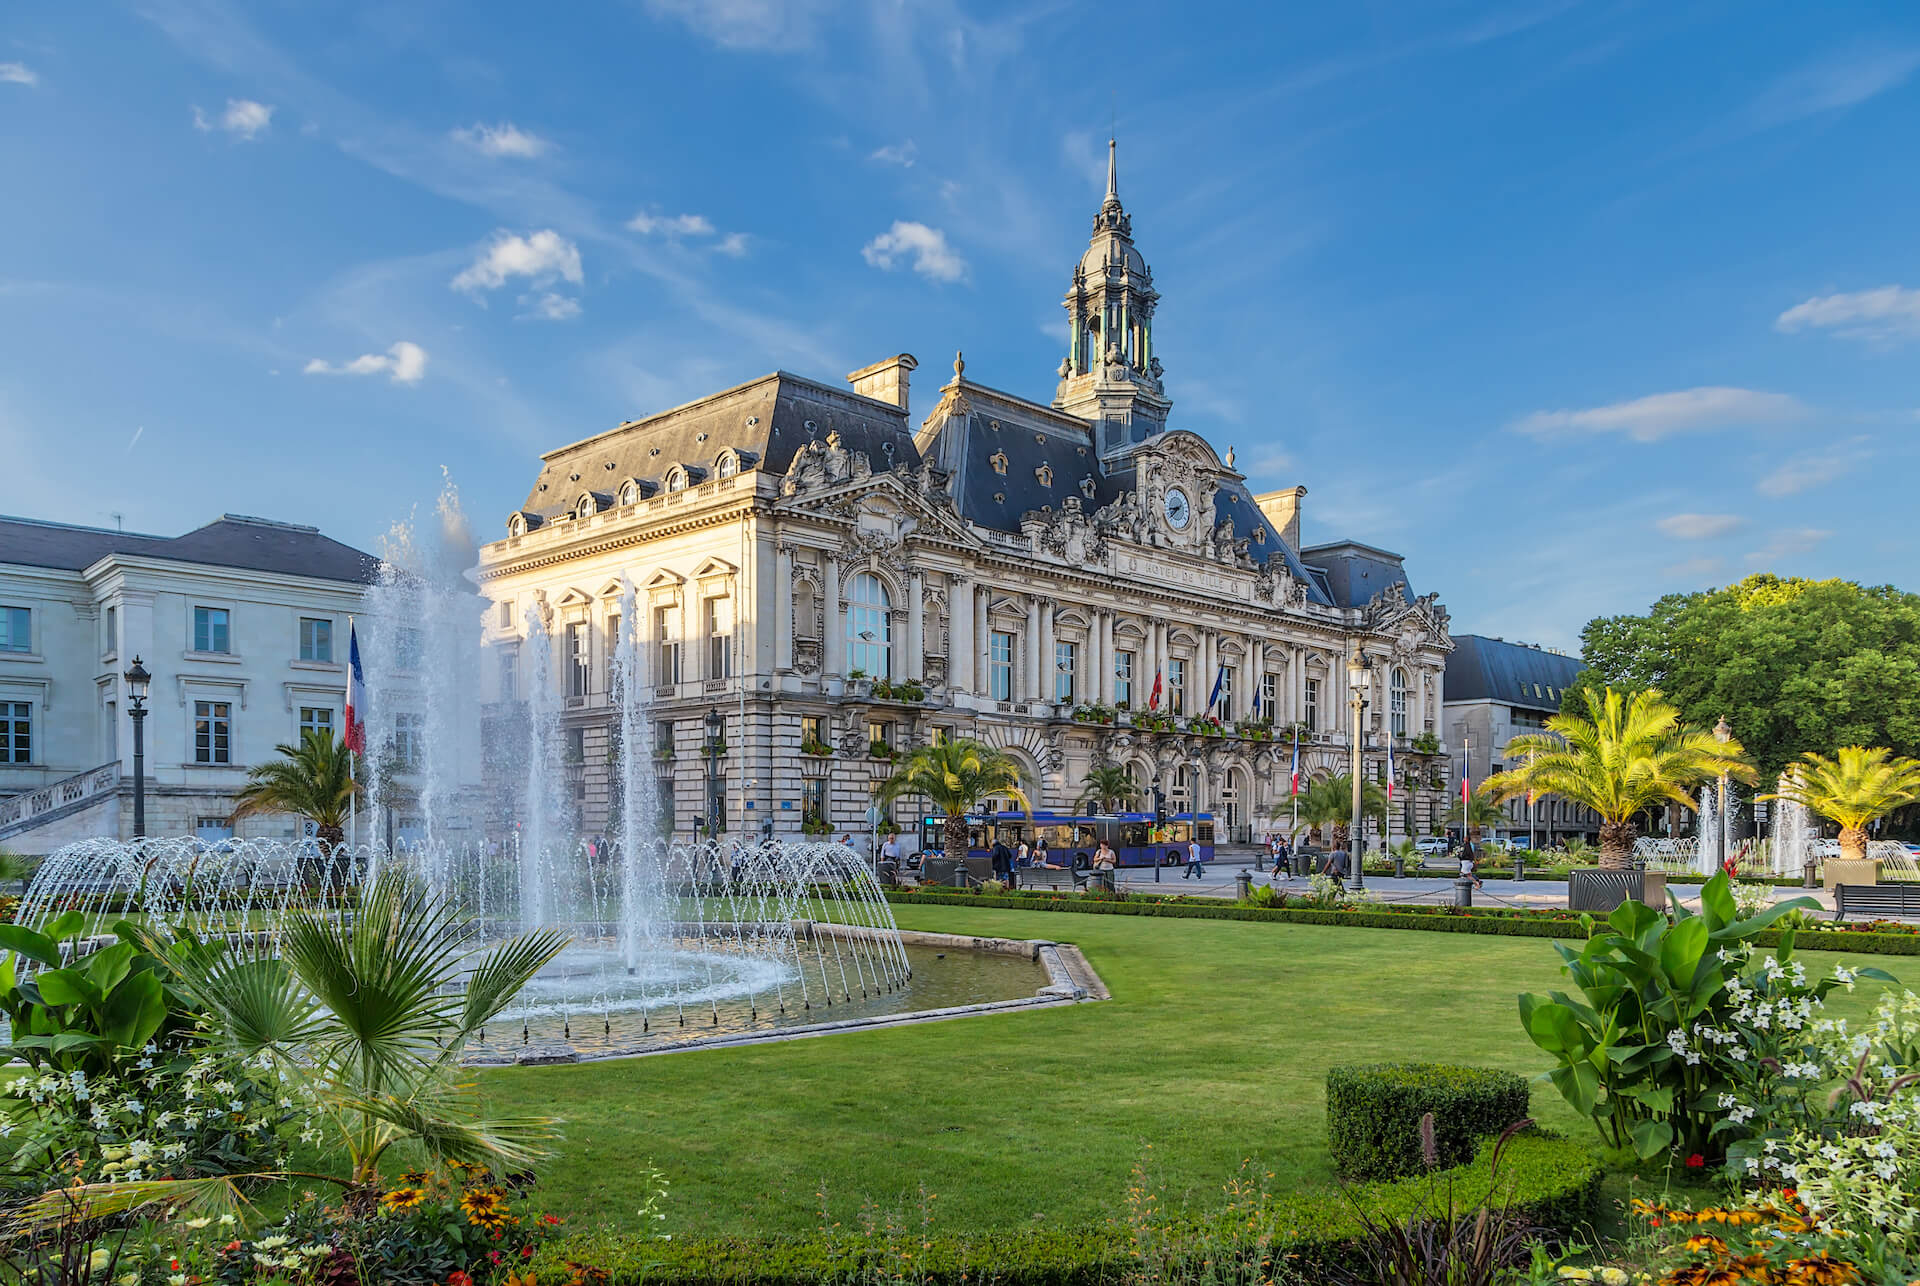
885 381
1282 509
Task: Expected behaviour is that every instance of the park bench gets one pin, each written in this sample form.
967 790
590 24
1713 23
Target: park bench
1045 877
1877 901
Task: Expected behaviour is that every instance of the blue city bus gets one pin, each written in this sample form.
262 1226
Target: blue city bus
1072 838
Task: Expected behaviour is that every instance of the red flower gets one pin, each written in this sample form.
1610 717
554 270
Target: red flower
553 1220
526 1252
1695 1161
458 1278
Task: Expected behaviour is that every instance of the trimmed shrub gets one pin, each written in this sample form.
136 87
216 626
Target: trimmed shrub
1881 940
1551 1182
1374 1111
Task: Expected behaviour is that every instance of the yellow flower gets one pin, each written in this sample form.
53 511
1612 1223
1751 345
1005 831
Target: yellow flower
404 1198
1613 1277
486 1208
1576 1274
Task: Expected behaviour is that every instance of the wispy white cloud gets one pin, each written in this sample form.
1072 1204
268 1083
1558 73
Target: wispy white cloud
671 226
404 363
1263 461
1884 313
1659 415
733 245
901 154
541 258
505 139
932 256
1814 468
550 306
1697 526
774 26
18 74
243 118
1787 543
1833 83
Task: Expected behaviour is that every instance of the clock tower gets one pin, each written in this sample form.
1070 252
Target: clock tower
1111 374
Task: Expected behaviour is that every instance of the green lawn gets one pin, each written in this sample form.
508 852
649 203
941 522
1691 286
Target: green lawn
1213 1050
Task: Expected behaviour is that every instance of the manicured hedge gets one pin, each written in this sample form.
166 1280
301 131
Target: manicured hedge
1493 921
1554 1182
1374 1112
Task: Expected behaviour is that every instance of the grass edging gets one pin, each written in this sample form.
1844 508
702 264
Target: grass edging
1553 1182
1495 922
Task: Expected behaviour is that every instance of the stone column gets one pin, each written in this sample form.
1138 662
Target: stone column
982 640
783 608
833 627
1255 667
1031 670
916 627
960 653
1209 650
1046 649
1107 658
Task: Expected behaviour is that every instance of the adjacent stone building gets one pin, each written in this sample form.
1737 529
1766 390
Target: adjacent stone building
1495 691
843 583
242 624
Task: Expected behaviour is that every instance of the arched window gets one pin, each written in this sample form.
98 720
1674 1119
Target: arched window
726 465
585 508
516 526
677 479
1398 693
869 629
629 492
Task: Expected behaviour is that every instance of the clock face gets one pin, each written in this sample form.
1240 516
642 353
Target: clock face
1178 509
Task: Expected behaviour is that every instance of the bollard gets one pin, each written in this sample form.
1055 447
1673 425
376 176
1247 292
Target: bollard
1519 866
1809 882
1399 867
1243 886
1260 859
960 875
1463 892
1156 870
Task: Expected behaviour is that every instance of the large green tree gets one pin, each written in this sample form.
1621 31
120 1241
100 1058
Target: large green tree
1793 665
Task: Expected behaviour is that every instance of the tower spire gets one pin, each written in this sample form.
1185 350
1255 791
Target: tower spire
1113 183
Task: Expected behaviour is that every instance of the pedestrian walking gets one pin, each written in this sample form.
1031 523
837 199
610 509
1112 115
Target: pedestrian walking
1194 869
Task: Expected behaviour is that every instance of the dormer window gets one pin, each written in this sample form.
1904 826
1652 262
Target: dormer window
584 508
517 525
1045 475
629 492
999 461
726 464
1260 536
676 479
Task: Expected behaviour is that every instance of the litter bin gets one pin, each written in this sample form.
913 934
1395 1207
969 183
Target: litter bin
1243 886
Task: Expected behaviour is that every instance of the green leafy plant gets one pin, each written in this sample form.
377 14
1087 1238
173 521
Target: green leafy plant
1426 744
955 777
313 780
813 747
879 749
1855 787
1629 1051
80 1012
1108 785
1375 1115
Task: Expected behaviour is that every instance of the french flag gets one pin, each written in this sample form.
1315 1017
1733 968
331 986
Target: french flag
1389 767
1296 761
1153 702
355 735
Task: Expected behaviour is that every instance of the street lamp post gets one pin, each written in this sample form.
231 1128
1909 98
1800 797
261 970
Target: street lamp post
1356 680
137 679
1723 733
716 730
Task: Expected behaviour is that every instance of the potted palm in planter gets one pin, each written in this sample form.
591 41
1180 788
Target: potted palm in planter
1853 789
1626 754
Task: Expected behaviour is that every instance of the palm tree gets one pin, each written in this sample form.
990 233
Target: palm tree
954 777
1106 785
1329 802
1481 811
313 780
1853 788
1627 753
370 1013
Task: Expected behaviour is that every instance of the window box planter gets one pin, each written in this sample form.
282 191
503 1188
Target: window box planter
819 748
881 750
663 754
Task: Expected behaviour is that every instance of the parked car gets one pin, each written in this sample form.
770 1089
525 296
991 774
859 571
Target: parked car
1824 848
1431 846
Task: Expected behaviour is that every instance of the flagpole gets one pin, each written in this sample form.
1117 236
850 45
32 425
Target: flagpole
353 784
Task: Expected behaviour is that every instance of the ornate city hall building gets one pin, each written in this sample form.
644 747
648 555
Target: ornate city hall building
842 583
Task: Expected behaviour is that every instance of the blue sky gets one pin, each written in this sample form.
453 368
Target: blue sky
1574 304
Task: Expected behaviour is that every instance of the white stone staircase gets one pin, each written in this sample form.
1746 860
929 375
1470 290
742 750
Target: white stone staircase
33 809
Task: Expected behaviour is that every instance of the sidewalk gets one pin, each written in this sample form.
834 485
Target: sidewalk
1221 876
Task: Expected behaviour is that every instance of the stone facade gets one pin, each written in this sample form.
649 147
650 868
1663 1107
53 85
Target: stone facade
833 578
243 626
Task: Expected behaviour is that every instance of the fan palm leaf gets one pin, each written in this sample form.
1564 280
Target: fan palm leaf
1854 788
1106 785
1328 802
955 777
1625 755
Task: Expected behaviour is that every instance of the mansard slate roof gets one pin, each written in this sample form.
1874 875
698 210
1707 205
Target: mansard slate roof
232 540
1354 573
771 417
1031 436
1489 669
